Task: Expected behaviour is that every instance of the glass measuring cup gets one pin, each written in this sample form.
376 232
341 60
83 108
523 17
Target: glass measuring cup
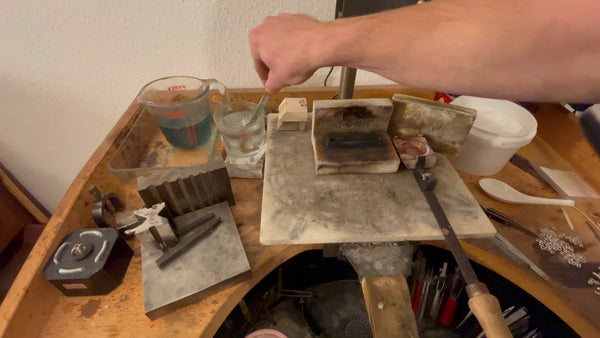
181 105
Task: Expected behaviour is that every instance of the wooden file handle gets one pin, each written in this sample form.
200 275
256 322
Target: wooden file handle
486 309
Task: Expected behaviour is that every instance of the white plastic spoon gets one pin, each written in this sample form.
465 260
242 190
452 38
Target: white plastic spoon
505 193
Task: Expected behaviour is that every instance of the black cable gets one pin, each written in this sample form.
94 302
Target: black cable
327 77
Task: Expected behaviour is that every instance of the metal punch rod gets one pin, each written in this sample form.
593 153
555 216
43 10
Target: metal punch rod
347 79
182 230
186 242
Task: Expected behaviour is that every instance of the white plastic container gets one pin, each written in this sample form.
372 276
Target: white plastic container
500 129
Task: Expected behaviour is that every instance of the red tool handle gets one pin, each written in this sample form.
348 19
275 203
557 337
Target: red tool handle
417 298
447 315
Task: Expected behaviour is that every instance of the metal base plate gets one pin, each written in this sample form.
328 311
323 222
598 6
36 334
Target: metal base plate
213 259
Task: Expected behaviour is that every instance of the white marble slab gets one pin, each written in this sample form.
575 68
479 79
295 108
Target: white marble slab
300 207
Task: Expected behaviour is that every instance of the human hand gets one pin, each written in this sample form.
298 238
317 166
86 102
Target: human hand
283 48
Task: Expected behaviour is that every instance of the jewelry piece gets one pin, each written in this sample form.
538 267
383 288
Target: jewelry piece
593 281
553 243
575 240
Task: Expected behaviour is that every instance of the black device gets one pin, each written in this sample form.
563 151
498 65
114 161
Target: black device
590 123
348 8
89 262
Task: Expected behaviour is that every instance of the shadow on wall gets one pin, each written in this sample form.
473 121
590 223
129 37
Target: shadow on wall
40 180
47 135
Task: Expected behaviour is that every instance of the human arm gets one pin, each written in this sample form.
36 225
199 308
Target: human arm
524 50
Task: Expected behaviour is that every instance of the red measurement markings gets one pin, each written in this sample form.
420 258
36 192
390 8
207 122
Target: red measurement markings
174 114
192 134
176 87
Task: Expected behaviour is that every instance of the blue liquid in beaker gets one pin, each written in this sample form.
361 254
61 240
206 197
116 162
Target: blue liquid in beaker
186 135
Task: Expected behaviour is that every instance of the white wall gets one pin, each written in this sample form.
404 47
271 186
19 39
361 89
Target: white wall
69 69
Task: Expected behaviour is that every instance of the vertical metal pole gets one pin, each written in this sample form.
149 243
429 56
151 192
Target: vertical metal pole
347 83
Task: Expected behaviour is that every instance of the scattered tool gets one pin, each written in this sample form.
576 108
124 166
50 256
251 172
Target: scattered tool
505 220
282 292
535 171
506 245
186 241
439 292
182 229
418 279
456 286
434 289
423 302
566 183
182 234
469 314
483 304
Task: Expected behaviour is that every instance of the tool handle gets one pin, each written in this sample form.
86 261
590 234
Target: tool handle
448 310
387 300
487 310
417 298
161 243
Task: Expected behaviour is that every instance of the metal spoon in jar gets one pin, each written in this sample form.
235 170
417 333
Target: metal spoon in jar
261 106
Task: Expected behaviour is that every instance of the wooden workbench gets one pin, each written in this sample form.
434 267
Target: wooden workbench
33 306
